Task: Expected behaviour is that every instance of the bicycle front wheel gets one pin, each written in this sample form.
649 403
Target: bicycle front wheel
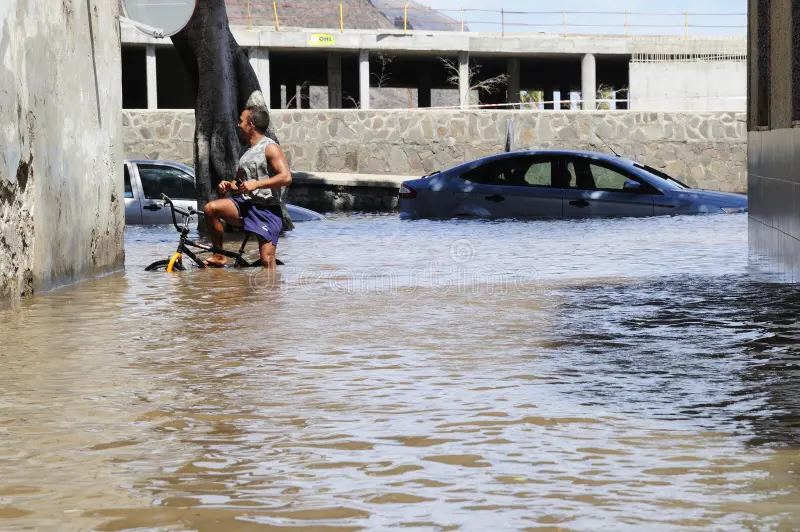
161 266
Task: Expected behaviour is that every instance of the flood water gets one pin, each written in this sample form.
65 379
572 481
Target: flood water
618 374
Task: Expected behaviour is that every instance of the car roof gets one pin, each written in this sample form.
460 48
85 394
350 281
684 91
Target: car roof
607 157
161 162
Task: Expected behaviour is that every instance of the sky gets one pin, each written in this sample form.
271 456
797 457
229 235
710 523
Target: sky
701 13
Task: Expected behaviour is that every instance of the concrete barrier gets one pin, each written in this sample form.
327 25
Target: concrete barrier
704 149
61 196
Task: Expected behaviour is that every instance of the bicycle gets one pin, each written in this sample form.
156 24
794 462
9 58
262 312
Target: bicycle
175 262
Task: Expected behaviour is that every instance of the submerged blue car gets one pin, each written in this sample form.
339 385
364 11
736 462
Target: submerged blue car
557 184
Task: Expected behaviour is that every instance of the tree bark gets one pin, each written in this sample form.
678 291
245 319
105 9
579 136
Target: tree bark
224 84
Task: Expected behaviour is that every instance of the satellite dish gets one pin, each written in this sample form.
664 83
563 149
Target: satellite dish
158 18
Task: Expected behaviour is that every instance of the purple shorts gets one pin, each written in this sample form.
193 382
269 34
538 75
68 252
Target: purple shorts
266 222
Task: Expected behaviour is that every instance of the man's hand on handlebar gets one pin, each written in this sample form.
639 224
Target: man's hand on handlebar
246 187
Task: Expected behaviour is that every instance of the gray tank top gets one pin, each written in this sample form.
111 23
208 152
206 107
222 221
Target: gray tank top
253 165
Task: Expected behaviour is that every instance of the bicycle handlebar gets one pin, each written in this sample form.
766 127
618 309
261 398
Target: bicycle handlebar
174 209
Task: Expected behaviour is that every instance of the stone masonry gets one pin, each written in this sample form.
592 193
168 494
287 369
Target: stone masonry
704 149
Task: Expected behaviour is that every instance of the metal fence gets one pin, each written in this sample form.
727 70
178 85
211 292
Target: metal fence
341 16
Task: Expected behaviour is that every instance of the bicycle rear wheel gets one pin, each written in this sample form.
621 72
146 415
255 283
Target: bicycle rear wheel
161 266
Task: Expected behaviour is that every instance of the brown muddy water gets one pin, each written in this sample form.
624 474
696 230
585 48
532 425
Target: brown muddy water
601 375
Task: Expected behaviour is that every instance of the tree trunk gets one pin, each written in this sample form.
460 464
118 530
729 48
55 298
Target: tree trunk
224 84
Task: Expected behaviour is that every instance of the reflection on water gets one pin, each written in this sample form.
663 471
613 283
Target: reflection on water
619 374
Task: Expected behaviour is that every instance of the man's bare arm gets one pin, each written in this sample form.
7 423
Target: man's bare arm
277 160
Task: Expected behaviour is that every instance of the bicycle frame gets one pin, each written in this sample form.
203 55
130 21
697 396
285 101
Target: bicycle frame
185 244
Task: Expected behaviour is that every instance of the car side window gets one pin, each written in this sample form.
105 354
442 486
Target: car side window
128 187
157 180
539 174
591 176
518 172
607 179
494 173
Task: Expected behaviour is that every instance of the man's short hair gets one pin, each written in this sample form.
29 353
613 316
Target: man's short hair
259 117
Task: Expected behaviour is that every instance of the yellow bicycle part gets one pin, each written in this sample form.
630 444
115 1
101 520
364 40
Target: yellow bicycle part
175 257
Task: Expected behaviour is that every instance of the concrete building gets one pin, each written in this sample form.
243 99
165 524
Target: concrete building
773 120
61 183
657 73
688 83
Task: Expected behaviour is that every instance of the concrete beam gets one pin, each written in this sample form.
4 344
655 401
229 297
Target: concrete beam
334 80
363 78
463 79
450 42
513 72
589 82
259 60
152 76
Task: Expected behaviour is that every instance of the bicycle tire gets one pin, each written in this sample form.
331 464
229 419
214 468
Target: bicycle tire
161 265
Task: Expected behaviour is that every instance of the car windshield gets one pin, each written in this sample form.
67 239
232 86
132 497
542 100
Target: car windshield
667 179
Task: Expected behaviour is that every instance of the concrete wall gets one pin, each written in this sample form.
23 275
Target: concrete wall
688 86
704 149
384 98
774 136
61 213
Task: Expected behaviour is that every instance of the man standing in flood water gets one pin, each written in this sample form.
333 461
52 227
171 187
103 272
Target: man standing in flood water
255 201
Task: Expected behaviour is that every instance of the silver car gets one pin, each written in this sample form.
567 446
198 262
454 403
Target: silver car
146 180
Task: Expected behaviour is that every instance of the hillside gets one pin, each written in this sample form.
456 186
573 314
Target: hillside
420 17
324 14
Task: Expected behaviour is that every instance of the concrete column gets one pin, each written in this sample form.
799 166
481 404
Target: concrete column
463 78
152 80
334 81
292 98
363 79
512 70
424 86
589 82
259 60
555 97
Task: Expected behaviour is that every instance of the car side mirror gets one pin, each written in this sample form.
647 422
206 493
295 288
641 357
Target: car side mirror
632 186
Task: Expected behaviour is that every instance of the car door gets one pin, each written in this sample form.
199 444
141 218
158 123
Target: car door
133 207
599 189
510 187
158 179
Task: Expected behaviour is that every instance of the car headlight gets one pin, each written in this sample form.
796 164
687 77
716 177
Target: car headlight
733 210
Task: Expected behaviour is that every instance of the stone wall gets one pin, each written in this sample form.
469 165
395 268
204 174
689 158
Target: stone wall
705 149
61 213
